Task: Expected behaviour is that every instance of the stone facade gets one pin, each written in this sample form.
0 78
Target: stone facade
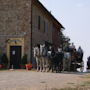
15 18
25 23
49 26
45 31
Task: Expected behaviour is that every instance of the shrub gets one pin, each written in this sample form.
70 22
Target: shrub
24 61
0 58
4 59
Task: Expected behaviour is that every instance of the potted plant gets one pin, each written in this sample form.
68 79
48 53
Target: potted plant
4 60
28 66
0 62
24 61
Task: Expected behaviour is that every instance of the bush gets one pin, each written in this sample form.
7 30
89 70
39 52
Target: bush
4 61
0 58
24 60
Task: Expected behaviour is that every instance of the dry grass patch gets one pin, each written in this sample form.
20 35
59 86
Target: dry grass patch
84 86
76 88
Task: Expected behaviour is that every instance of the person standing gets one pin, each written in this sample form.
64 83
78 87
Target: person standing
72 46
59 59
80 58
66 61
80 54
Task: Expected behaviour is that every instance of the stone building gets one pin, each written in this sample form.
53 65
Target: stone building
24 23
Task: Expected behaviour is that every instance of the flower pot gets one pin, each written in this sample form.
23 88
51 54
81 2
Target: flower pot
28 66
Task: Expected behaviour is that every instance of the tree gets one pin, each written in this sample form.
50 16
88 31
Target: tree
64 40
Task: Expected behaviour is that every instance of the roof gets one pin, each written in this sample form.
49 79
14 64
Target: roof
49 13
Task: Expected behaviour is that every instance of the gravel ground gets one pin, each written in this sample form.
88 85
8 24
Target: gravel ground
32 80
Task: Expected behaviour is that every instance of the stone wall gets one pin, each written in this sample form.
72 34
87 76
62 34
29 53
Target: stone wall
41 35
51 34
15 21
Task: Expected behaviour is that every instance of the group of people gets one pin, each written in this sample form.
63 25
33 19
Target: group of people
60 59
73 58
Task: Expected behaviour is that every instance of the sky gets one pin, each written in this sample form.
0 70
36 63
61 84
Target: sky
74 15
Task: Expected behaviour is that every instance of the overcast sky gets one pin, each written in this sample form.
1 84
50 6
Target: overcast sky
74 15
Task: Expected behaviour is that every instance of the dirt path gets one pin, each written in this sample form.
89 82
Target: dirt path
32 80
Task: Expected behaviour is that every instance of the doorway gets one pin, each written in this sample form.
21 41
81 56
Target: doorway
15 57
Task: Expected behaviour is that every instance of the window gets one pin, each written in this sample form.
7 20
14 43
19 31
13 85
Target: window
44 26
45 29
39 21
